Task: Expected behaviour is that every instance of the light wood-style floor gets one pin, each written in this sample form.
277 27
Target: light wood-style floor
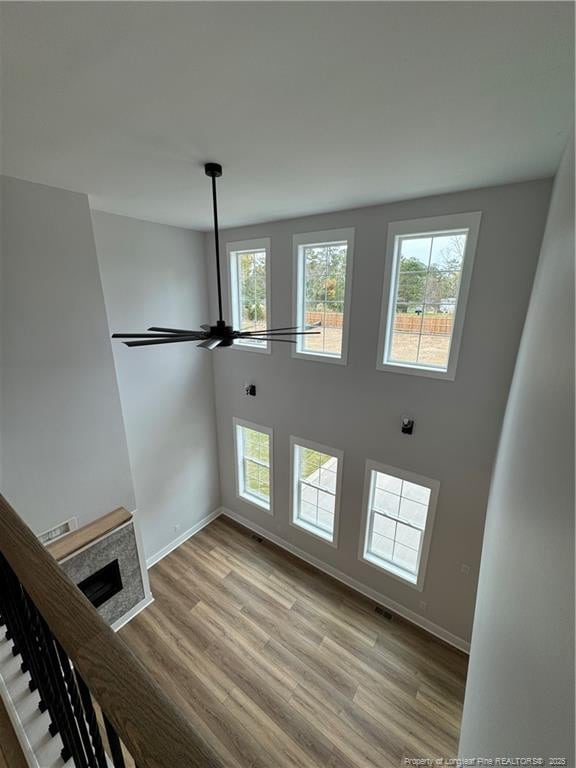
279 666
10 753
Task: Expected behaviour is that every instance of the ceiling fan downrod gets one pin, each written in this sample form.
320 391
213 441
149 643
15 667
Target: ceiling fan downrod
210 336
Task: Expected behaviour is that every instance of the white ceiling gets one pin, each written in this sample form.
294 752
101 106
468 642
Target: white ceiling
309 106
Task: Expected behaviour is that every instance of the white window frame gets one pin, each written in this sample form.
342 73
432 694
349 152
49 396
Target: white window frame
260 244
382 565
321 238
294 479
239 473
425 227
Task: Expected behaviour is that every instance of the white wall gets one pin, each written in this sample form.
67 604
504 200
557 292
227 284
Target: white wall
357 408
155 275
520 692
64 448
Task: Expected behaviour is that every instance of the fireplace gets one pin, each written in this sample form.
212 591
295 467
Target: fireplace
103 584
104 559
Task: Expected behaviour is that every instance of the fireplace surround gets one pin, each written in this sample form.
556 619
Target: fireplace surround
105 560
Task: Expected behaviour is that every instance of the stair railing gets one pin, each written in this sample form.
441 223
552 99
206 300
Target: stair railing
74 659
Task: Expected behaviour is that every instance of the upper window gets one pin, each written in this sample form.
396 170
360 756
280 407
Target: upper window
398 518
316 482
250 289
253 463
323 272
428 270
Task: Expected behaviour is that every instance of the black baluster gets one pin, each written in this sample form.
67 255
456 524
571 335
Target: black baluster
66 723
92 721
25 611
48 695
114 742
74 696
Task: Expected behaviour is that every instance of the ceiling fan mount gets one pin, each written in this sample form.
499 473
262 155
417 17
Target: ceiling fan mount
214 170
210 336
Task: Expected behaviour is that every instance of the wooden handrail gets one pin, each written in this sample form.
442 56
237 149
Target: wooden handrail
153 730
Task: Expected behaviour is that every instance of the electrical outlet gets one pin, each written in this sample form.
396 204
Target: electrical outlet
423 605
176 527
465 569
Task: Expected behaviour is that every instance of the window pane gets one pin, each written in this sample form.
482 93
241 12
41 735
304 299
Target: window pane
387 502
308 511
381 546
424 299
415 492
249 293
413 513
309 494
254 459
404 347
326 520
326 501
396 522
384 526
324 287
388 483
410 537
315 489
327 479
309 463
405 557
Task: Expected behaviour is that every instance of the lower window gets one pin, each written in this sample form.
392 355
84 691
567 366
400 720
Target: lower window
316 482
398 518
253 463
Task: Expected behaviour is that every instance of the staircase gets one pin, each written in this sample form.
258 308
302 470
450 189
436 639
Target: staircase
40 750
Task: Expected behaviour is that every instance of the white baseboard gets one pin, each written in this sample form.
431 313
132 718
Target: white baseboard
182 538
148 600
377 597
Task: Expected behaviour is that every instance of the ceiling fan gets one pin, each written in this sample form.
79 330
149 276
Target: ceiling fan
210 336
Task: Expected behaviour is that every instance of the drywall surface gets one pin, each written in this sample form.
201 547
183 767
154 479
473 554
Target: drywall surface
357 408
520 693
155 275
64 449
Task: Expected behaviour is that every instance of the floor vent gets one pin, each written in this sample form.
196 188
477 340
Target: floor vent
383 612
259 539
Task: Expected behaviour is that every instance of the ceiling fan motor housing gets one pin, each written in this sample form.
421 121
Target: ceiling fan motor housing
223 331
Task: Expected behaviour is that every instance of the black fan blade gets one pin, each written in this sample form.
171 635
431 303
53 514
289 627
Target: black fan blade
206 327
272 338
210 343
163 340
173 330
273 330
279 333
150 335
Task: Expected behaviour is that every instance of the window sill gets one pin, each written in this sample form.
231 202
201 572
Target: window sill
253 348
413 370
314 531
319 357
391 570
256 502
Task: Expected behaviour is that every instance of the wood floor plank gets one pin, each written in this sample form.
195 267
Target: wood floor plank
279 666
11 755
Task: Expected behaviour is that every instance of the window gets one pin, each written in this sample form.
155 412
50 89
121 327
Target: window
316 482
399 512
253 463
428 271
250 289
322 291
